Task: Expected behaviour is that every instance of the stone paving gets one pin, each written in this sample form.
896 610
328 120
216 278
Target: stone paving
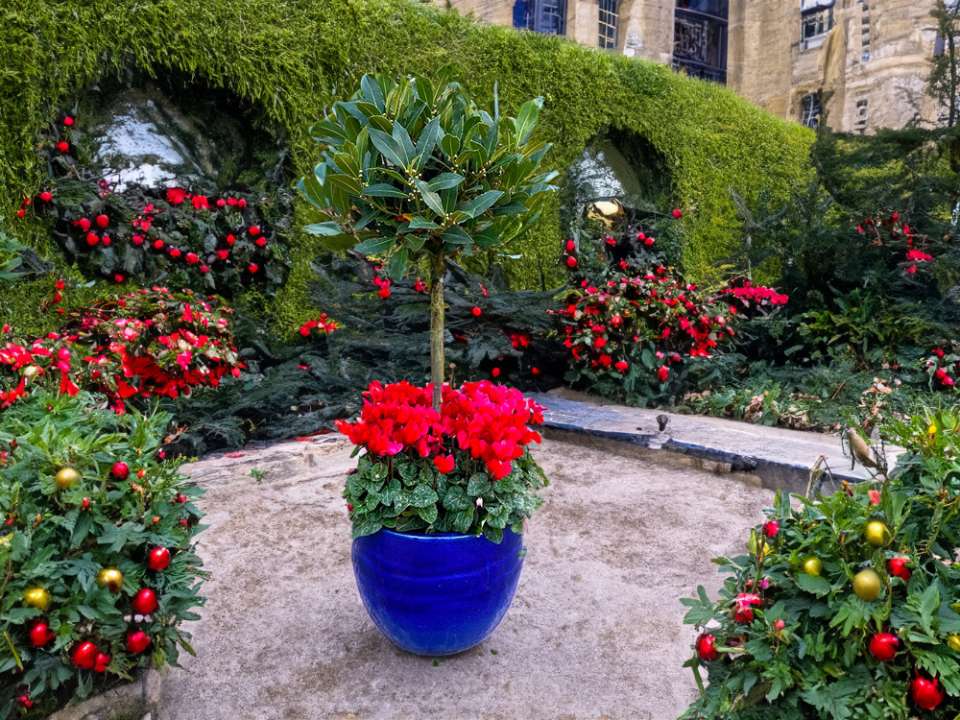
781 458
595 631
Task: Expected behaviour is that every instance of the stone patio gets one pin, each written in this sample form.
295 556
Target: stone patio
595 630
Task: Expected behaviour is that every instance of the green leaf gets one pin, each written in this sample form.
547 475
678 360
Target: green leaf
391 150
371 91
419 223
481 203
813 584
375 246
423 495
526 120
397 266
383 190
428 514
324 229
445 181
427 141
431 198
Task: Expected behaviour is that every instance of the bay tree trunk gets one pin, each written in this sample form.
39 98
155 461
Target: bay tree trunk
437 270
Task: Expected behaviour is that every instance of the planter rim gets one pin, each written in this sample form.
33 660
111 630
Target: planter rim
433 537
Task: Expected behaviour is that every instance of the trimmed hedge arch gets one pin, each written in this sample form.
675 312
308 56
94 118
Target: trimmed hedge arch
294 56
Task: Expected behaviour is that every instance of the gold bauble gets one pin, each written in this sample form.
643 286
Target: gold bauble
812 566
877 533
867 585
37 597
110 578
954 642
66 478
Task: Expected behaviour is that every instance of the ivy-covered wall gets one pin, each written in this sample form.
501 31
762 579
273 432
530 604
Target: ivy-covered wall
292 57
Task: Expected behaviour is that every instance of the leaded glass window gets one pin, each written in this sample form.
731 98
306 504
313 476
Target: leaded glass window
608 24
700 38
542 16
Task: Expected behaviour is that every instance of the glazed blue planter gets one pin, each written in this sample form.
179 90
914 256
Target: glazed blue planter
437 594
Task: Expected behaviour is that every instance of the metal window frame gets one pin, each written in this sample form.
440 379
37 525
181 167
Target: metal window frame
608 26
810 116
713 18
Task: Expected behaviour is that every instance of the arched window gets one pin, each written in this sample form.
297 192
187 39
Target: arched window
700 38
609 22
542 16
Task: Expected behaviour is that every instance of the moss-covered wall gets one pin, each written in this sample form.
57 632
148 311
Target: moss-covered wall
294 56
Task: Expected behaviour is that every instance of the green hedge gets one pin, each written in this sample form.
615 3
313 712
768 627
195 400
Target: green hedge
294 56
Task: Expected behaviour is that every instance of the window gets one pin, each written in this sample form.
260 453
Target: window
864 30
816 19
810 110
860 125
700 38
608 24
542 16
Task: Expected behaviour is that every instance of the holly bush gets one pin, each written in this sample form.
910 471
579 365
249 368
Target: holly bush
846 606
206 238
632 323
96 548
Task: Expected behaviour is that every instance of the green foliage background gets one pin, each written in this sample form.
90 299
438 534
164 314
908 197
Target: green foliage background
293 57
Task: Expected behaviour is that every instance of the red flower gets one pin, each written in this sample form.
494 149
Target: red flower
444 463
663 373
915 255
176 196
200 202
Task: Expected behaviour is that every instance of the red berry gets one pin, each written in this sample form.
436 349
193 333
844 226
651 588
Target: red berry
495 372
771 528
145 601
45 196
897 567
476 311
84 655
253 230
707 648
118 278
25 702
260 241
204 269
571 261
175 253
253 268
40 634
120 470
106 240
158 559
223 254
535 371
926 693
158 244
137 642
63 146
101 662
68 121
221 203
883 646
231 239
779 624
93 239
180 498
85 503
83 223
570 246
192 258
677 213
103 221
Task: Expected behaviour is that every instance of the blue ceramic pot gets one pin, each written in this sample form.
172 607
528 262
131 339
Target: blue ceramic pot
437 594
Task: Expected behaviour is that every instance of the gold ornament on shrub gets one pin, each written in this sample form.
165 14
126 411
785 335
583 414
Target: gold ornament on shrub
66 478
37 597
877 533
813 566
110 578
867 585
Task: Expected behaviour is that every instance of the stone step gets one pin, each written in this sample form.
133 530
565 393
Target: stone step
780 458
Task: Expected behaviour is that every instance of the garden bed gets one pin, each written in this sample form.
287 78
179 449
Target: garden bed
595 630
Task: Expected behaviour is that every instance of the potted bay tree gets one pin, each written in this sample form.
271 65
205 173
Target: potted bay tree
414 173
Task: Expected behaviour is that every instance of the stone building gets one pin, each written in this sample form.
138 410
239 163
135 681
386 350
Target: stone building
862 62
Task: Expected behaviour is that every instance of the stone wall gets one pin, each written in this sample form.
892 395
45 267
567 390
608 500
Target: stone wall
871 68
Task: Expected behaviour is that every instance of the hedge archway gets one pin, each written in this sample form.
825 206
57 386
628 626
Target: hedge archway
292 57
